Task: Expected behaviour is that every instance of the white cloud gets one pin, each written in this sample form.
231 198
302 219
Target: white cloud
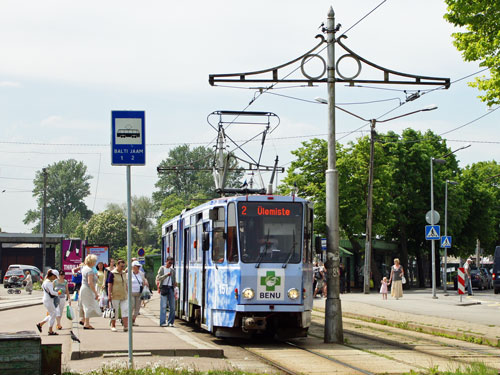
10 84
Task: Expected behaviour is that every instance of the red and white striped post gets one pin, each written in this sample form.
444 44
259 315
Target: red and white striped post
461 281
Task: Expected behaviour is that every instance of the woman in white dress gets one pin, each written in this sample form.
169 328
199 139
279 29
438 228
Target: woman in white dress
49 301
88 292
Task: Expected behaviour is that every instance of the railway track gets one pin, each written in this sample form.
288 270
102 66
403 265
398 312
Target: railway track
370 349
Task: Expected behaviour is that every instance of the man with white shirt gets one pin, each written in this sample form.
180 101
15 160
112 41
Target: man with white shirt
165 279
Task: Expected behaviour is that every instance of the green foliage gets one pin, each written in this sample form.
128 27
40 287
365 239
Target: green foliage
480 41
67 187
157 369
187 184
143 211
109 228
482 217
475 368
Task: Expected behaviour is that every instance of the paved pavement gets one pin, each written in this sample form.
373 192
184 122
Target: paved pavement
477 316
183 346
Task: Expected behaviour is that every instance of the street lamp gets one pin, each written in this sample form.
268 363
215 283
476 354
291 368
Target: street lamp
369 199
445 266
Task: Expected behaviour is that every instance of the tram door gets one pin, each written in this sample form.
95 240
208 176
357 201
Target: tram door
185 289
199 240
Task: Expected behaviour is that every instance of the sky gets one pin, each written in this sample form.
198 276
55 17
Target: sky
66 65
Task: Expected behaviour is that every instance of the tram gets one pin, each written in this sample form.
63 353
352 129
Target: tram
244 265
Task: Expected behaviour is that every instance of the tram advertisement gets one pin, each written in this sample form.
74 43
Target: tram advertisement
72 255
102 253
271 284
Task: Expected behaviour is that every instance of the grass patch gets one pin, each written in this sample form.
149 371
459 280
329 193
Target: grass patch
37 286
406 326
155 369
472 369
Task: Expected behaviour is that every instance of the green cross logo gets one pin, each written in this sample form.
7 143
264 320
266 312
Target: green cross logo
270 281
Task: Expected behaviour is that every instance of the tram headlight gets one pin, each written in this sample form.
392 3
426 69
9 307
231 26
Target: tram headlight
248 293
293 293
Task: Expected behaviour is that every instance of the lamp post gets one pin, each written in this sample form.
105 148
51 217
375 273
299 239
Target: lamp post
445 266
369 198
433 249
433 246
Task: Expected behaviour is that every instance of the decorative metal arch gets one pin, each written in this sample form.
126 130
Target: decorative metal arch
247 77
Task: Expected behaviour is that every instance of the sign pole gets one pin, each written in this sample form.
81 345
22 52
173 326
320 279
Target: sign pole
128 147
129 269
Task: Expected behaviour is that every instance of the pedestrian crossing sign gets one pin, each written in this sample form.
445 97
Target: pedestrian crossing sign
446 242
432 232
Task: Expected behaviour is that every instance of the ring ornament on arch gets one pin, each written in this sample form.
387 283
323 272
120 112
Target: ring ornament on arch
355 58
308 58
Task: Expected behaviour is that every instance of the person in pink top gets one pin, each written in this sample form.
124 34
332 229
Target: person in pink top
383 287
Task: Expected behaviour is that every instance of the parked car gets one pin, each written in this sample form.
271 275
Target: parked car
479 280
486 273
20 271
496 271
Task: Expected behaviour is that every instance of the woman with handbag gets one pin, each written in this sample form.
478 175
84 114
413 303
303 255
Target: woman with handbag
138 283
62 290
88 292
50 301
397 275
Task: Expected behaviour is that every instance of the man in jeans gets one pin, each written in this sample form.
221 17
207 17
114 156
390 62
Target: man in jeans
165 279
468 280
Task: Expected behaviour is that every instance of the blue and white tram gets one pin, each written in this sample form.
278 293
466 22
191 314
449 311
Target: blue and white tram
244 265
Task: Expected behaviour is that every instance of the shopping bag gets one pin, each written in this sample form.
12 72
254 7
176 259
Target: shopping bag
146 294
176 293
103 300
109 313
70 314
403 280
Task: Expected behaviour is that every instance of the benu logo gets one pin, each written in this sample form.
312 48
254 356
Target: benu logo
270 281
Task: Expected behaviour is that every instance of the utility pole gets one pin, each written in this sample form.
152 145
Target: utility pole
369 212
274 75
333 311
44 221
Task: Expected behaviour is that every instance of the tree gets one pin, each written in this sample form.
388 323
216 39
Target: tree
481 40
143 211
109 228
67 187
411 154
482 217
307 172
186 184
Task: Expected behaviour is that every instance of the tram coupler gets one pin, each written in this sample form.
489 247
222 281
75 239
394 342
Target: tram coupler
253 323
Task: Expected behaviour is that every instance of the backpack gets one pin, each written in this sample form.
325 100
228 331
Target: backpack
317 275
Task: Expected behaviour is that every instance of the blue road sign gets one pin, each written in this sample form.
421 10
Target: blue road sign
141 252
128 140
432 232
446 242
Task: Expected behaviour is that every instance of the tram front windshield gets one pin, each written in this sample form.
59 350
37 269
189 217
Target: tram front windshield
270 232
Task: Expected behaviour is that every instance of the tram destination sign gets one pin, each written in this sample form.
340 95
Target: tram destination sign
286 209
128 141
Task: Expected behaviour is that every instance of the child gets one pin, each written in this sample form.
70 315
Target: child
383 288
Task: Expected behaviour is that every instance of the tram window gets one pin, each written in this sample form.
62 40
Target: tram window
217 246
232 235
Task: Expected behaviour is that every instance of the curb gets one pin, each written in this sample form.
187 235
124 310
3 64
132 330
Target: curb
20 306
207 353
493 341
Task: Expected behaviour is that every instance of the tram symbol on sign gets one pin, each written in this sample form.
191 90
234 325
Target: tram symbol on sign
432 232
446 242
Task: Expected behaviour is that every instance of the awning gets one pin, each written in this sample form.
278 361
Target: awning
344 251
